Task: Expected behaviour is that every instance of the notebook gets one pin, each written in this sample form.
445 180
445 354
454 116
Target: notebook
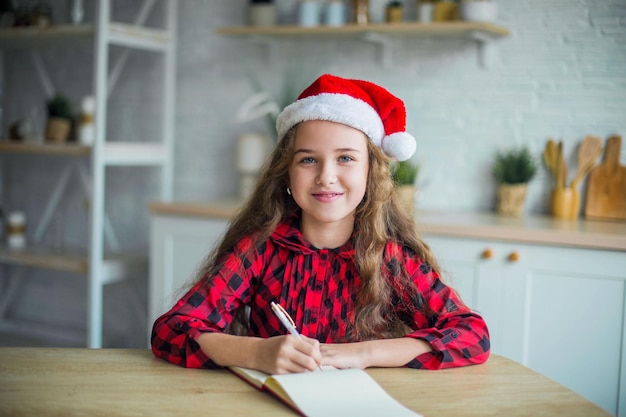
333 392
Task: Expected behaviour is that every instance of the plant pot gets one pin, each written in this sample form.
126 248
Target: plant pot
262 14
395 14
565 203
406 196
478 10
511 199
58 130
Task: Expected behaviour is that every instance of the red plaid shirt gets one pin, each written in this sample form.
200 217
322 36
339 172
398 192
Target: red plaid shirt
318 288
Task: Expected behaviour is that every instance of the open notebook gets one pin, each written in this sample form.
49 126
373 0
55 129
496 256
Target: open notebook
346 392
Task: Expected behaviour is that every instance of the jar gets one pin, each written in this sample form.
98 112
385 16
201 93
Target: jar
335 13
16 230
309 13
86 128
360 12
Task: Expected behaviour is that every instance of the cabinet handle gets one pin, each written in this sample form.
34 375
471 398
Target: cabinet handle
513 256
487 254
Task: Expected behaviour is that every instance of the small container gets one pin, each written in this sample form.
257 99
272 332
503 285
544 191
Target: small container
478 11
360 12
445 11
86 128
394 13
16 230
309 13
426 10
335 13
262 14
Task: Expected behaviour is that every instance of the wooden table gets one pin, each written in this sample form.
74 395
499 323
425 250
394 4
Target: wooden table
116 382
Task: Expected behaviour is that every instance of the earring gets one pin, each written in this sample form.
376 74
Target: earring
288 190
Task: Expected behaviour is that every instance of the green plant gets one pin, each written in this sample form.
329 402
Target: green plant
59 106
394 3
516 166
404 173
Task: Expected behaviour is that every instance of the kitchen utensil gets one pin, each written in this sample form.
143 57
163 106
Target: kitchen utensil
549 157
560 169
588 152
606 193
565 203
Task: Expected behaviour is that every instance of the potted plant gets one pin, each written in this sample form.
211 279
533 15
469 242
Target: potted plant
394 11
513 170
59 118
404 174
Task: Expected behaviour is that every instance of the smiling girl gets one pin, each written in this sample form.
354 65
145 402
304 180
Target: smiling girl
324 237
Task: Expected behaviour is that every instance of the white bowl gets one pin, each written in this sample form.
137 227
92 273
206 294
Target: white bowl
478 10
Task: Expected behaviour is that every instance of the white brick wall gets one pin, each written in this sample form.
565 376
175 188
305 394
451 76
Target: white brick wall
561 74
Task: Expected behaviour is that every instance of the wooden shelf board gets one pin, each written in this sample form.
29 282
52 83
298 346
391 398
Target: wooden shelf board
403 28
115 267
66 149
120 33
28 36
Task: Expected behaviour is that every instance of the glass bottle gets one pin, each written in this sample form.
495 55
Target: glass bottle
360 12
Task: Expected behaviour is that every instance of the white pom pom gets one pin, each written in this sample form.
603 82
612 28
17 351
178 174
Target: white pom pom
400 145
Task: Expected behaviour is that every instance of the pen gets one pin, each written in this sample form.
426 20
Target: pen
286 320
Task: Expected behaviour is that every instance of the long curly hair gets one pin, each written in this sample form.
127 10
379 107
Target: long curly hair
379 218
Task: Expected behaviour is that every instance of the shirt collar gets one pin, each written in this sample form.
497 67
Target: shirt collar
288 235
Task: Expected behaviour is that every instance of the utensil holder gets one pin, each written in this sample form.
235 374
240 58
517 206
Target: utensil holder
565 203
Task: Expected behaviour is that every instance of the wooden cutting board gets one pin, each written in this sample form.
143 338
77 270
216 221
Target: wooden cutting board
606 191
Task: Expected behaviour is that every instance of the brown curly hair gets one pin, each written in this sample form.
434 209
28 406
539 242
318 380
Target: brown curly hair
379 218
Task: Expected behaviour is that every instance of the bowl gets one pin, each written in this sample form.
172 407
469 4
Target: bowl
478 10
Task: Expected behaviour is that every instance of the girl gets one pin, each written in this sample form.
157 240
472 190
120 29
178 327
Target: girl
324 237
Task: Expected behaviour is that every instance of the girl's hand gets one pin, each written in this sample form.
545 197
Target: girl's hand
343 355
288 354
382 353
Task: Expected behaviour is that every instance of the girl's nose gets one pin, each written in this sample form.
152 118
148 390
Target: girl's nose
327 175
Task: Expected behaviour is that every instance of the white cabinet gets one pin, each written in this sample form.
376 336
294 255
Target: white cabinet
178 247
104 46
558 310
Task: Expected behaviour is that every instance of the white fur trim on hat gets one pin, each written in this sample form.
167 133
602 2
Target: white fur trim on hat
333 107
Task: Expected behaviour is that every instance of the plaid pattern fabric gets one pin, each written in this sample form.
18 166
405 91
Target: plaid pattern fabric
318 288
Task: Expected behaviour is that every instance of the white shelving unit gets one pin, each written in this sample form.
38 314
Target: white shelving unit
98 267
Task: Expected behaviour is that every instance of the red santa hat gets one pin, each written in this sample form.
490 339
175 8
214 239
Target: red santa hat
359 104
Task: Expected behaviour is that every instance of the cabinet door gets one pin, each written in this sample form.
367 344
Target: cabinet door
574 320
479 271
177 248
560 311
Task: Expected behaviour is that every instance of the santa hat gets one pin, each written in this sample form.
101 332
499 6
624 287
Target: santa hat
359 104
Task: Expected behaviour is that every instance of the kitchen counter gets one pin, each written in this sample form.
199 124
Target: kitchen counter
534 229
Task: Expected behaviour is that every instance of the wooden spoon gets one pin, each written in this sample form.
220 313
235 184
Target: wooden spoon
550 156
561 169
588 152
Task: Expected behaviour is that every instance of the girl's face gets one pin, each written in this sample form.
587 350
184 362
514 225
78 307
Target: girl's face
328 173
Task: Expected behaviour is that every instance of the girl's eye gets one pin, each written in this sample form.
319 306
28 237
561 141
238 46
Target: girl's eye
308 160
345 158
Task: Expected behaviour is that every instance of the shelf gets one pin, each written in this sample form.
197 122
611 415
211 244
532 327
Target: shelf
119 34
114 153
379 34
44 36
405 28
70 149
115 268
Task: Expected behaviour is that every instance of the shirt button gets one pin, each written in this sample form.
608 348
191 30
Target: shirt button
318 287
314 320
